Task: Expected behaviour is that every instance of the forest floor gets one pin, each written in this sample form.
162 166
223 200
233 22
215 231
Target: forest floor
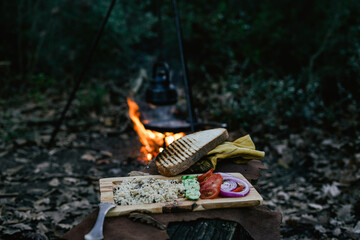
313 175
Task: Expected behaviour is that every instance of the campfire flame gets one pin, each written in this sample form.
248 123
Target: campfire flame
153 142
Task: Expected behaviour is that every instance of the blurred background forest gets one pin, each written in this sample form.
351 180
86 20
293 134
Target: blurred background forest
264 62
286 72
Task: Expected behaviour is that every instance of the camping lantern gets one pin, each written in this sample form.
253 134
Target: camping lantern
160 91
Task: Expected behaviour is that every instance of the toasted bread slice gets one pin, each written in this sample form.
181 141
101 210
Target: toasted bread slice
184 152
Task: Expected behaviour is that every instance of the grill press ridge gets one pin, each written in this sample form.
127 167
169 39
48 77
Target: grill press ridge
167 158
165 153
176 153
189 147
181 148
192 142
177 161
170 159
160 160
164 161
164 156
180 152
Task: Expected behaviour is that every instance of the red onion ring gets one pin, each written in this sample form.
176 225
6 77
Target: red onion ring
228 193
228 185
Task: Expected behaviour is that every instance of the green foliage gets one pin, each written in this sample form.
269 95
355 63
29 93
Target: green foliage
39 84
54 38
280 60
250 101
91 98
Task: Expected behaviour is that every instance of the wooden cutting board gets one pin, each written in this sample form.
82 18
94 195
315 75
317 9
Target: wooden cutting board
181 205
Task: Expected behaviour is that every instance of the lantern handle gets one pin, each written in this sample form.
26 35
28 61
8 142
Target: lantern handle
163 65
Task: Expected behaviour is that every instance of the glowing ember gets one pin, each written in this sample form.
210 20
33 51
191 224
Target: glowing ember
152 141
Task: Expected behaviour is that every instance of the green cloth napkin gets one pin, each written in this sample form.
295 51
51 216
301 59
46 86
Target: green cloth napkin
241 151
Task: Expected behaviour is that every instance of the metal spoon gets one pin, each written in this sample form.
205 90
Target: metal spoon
96 232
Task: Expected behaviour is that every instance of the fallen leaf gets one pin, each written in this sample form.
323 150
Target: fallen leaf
53 151
316 206
42 204
54 182
331 143
283 195
320 229
42 228
102 161
2 154
33 236
65 226
88 157
357 227
38 216
13 171
20 141
108 122
282 162
22 215
107 154
56 216
145 218
331 190
70 180
45 138
280 148
22 226
11 231
68 167
83 204
344 213
308 219
336 231
21 160
42 167
297 140
36 191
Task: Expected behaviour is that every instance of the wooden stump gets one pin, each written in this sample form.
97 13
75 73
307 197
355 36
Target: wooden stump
207 229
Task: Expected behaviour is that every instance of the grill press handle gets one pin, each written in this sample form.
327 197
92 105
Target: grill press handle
96 232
